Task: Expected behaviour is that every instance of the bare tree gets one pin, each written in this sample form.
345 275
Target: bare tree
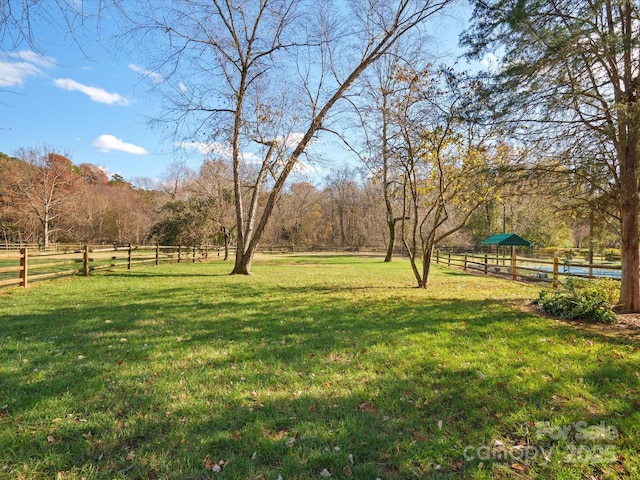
176 180
377 118
44 181
22 21
266 77
214 182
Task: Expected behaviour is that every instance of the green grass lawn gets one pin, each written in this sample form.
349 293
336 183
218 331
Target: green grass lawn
312 366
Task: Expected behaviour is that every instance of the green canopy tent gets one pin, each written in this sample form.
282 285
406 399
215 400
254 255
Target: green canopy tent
505 240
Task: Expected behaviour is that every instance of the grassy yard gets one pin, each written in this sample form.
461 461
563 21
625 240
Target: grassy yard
313 366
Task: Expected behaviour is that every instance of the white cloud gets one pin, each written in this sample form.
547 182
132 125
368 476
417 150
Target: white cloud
94 93
106 143
154 76
489 60
292 139
221 150
15 67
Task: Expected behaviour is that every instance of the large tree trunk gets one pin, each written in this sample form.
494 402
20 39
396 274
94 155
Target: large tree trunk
630 209
243 264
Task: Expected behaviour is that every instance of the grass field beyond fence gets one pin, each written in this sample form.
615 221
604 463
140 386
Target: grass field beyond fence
313 366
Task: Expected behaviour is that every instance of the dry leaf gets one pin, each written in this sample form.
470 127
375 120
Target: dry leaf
131 455
519 467
346 470
325 473
291 442
208 463
87 436
368 407
419 438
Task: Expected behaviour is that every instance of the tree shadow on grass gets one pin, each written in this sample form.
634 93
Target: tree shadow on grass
411 387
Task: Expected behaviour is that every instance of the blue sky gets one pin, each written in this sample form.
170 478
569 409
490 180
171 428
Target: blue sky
87 103
95 105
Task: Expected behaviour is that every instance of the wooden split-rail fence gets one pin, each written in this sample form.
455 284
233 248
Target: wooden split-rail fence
552 270
32 265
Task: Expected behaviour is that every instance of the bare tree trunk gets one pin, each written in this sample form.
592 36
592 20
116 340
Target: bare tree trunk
391 223
45 231
630 209
226 236
426 263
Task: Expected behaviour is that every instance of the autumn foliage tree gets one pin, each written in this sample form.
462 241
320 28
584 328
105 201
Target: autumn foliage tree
448 164
44 182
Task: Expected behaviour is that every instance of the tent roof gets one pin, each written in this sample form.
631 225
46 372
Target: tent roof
506 239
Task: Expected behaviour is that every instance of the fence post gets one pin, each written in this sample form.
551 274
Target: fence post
448 259
157 254
179 253
514 270
486 264
193 260
464 267
24 260
437 256
556 262
129 258
206 252
85 261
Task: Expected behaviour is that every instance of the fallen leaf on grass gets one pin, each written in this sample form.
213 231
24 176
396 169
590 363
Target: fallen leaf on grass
368 407
279 435
291 441
87 436
419 438
346 470
325 473
519 467
214 467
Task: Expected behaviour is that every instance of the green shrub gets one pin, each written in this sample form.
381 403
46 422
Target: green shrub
612 254
591 300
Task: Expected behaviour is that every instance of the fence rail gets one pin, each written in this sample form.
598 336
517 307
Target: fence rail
31 266
528 268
